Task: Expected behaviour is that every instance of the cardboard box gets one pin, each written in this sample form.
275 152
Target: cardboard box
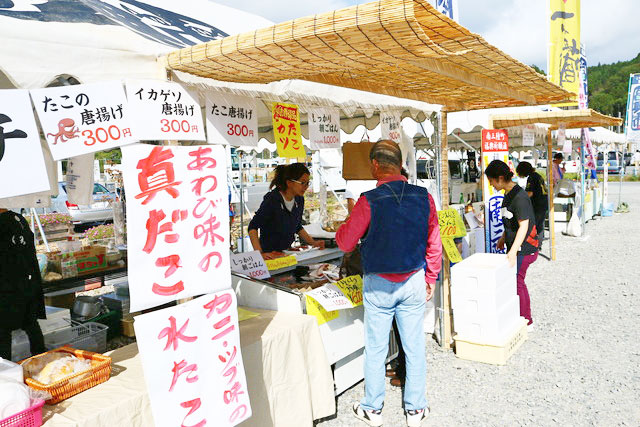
89 259
355 161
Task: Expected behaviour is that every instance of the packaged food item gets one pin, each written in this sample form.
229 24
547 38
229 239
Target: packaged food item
54 367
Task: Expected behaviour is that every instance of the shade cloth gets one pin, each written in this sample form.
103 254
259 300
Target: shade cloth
288 378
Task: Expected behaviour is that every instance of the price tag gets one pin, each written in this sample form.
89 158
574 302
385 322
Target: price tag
351 287
322 315
250 263
278 263
451 224
451 249
330 297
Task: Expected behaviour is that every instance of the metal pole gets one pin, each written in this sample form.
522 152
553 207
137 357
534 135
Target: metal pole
552 225
37 219
241 203
582 184
624 151
436 135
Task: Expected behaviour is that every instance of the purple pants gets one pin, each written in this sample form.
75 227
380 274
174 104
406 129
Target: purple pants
524 261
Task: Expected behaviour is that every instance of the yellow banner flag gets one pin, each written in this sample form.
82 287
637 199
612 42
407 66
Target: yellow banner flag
564 45
286 130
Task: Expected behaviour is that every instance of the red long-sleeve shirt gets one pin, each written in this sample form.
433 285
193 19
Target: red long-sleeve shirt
357 225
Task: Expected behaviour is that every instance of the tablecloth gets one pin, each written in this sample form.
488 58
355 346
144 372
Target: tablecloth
288 378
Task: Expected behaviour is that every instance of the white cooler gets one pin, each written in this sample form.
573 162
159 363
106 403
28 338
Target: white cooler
471 299
487 326
482 272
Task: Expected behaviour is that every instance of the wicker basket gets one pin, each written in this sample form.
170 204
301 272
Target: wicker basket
30 417
63 389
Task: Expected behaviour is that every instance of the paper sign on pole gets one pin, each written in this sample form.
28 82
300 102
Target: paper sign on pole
351 287
451 224
495 146
633 109
286 130
330 297
451 249
192 362
251 264
391 126
80 179
528 135
177 227
22 167
231 119
324 128
81 119
164 110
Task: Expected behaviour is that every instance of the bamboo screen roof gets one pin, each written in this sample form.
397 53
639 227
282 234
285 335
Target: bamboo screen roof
572 119
403 48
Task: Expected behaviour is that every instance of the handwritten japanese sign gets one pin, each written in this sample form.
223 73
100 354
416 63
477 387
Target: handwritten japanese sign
564 44
324 128
391 126
177 227
315 309
231 119
496 144
80 179
282 262
83 119
286 130
451 249
528 135
451 224
192 363
21 158
250 263
351 287
330 297
164 110
495 140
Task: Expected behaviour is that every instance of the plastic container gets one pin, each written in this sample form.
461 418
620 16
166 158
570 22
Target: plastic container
31 417
489 326
11 370
483 272
20 348
68 267
88 336
470 299
607 210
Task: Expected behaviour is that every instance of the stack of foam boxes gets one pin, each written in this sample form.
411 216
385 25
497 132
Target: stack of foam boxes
486 309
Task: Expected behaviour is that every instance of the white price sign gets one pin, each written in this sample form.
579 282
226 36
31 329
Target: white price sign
330 297
231 119
164 110
81 119
251 264
324 128
528 135
391 126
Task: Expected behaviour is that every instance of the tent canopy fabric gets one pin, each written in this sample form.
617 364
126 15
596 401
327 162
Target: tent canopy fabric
571 119
403 48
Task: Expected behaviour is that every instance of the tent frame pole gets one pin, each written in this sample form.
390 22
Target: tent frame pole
552 228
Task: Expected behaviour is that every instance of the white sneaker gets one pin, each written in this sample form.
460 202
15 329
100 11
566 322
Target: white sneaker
371 417
415 418
530 328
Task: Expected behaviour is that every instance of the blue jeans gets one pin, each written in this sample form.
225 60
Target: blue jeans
406 300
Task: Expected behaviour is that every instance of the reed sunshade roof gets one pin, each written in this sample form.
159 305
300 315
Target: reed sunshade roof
572 119
403 48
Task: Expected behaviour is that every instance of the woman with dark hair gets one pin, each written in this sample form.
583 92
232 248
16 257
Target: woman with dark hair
537 191
520 233
279 217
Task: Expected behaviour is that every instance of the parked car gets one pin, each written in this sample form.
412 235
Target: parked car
99 211
614 160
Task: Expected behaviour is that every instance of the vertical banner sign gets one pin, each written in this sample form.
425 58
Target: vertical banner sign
192 363
583 103
495 146
632 127
80 178
324 128
564 44
286 130
22 167
528 135
164 110
83 119
448 8
231 119
177 222
391 126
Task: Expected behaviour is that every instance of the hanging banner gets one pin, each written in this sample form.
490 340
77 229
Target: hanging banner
81 119
448 8
495 146
286 130
528 135
583 103
164 110
177 227
231 119
324 128
80 179
391 126
633 109
564 44
22 167
192 362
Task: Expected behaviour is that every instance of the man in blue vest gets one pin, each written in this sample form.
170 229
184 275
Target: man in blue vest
401 250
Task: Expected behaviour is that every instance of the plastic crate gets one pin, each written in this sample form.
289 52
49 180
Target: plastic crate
30 417
112 320
493 353
86 336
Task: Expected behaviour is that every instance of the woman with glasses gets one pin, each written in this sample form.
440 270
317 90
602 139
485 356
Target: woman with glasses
279 217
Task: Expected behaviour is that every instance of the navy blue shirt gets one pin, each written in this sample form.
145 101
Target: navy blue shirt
276 224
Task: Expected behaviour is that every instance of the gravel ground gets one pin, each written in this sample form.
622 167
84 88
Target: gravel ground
581 364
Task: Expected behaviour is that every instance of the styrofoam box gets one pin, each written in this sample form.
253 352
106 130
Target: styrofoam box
57 318
487 327
470 299
482 272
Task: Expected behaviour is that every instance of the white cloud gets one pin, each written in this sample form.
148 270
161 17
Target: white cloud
284 10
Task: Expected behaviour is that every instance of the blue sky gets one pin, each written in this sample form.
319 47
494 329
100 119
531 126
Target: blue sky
610 28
